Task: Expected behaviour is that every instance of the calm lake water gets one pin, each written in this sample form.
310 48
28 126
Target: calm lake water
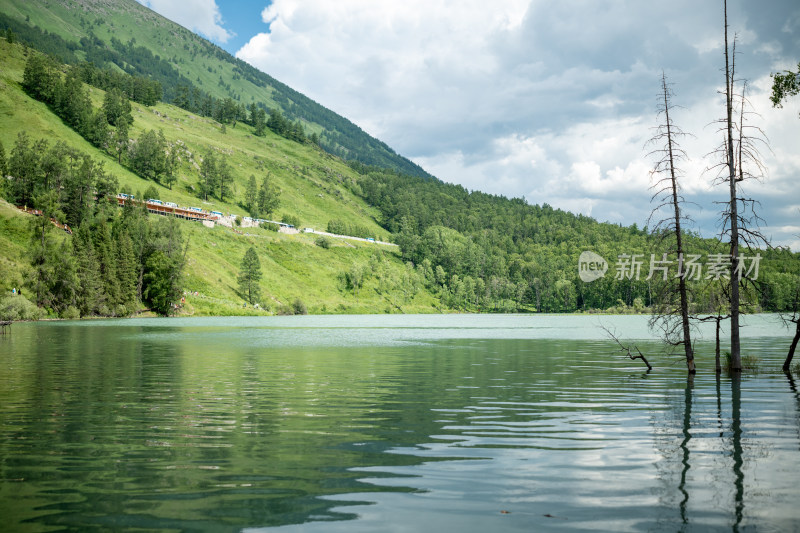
389 423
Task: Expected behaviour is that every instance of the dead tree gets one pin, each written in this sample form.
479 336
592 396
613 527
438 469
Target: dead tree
627 349
793 318
740 161
719 303
671 308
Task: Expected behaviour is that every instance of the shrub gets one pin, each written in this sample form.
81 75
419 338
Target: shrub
323 242
299 308
287 218
17 307
70 313
150 193
270 226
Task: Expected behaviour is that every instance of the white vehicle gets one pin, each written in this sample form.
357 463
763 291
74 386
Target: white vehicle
153 201
171 204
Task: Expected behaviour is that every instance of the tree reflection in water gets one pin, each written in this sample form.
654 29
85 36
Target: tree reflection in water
702 469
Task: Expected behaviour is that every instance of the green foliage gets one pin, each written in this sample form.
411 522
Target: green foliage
251 195
249 276
208 175
160 292
148 155
17 307
340 227
3 166
292 220
267 200
117 107
323 242
785 85
74 178
270 226
297 307
151 193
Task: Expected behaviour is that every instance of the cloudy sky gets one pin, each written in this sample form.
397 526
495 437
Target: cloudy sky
550 100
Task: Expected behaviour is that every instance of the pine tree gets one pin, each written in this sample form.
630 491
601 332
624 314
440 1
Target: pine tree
224 177
268 197
208 175
249 275
250 195
4 163
126 271
88 291
65 286
107 263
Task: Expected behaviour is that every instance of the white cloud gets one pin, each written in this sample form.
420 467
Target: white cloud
202 16
553 101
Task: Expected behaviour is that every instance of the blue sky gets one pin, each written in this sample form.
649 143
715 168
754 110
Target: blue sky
550 100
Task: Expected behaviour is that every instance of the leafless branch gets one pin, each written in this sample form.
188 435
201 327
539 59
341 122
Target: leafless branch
627 349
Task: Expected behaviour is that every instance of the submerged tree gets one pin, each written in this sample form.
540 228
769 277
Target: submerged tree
793 318
671 308
741 161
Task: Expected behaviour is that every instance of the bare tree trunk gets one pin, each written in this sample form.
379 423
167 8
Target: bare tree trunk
687 338
666 187
790 356
736 357
718 367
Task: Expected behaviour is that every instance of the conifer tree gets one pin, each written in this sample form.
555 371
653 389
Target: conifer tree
249 276
251 195
87 271
208 175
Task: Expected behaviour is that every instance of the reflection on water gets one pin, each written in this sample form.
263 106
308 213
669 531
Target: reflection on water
361 423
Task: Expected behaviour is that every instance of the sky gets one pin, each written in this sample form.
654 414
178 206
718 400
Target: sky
553 101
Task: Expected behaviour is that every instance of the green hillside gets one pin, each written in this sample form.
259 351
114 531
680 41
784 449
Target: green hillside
124 35
313 189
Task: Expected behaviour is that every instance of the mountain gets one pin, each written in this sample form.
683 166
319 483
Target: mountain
124 35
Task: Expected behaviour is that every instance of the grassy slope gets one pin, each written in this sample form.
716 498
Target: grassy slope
312 184
149 29
207 66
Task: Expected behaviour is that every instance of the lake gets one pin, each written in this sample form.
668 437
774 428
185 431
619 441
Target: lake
390 423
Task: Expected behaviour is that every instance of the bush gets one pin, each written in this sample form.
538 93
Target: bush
270 226
17 307
323 242
70 313
151 193
299 308
287 218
